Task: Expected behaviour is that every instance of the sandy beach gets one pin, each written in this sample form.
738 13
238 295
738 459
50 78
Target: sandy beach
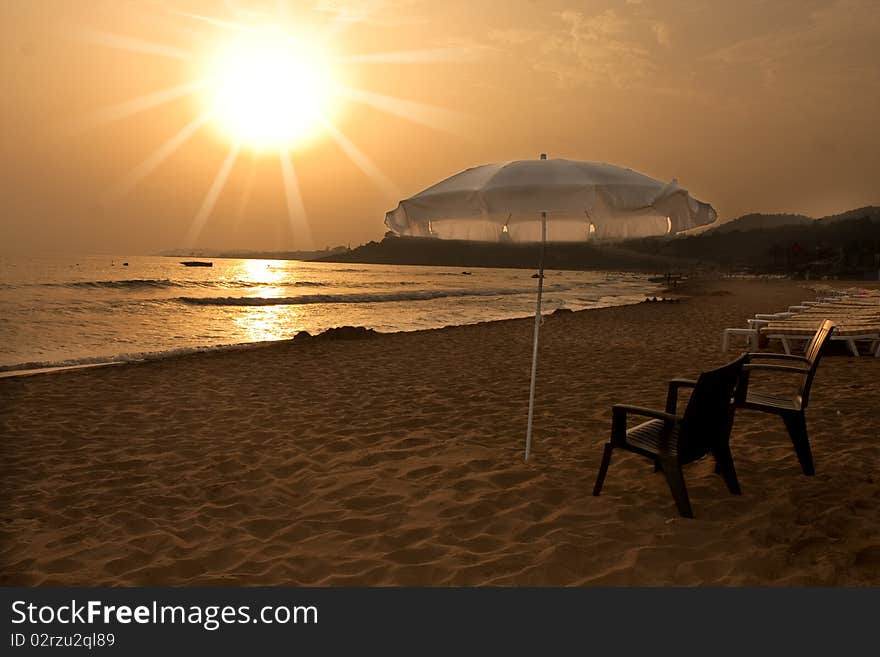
397 460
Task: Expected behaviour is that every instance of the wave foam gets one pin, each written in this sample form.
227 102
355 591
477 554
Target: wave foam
136 357
379 297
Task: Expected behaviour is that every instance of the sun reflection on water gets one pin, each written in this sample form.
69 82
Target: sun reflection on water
262 271
260 323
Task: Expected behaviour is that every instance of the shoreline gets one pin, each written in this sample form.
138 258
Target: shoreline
397 461
33 367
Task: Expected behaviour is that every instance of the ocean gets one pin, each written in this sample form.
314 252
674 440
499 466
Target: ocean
78 310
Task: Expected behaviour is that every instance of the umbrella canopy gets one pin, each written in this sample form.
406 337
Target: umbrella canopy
582 201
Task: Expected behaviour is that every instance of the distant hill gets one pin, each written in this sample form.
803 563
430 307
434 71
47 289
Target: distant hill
868 211
459 253
757 221
845 245
267 255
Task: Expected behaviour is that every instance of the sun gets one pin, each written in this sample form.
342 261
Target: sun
270 91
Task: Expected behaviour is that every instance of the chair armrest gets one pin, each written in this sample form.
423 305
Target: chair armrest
672 394
802 359
627 409
776 368
618 423
742 390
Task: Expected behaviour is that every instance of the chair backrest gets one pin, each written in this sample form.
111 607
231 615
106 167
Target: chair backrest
814 354
708 417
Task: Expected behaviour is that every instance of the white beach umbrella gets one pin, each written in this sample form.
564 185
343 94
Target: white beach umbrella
548 200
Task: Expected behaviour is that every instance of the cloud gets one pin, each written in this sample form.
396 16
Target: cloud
602 48
373 12
835 47
622 47
515 36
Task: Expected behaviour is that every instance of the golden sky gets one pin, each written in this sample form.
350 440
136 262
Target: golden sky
766 106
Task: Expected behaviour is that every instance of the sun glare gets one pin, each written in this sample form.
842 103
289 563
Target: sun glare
266 87
270 91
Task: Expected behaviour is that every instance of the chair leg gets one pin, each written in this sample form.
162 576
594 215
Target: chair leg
675 479
755 340
657 466
724 466
796 423
603 469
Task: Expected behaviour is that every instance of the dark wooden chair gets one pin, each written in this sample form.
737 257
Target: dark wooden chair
790 407
672 440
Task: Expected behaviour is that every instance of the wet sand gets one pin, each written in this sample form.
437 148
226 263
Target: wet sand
397 460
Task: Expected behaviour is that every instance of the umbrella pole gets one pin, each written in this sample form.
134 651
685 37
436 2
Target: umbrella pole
537 330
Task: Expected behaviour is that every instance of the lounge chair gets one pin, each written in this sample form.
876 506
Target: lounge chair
791 408
854 322
672 440
750 333
753 332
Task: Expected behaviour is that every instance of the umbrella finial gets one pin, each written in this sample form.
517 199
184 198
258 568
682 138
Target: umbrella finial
543 156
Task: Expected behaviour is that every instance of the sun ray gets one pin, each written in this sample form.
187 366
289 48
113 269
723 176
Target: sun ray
210 20
140 104
363 162
411 56
346 17
211 197
131 44
156 158
429 115
167 24
296 211
246 192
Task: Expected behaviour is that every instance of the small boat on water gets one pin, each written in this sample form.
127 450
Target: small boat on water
196 263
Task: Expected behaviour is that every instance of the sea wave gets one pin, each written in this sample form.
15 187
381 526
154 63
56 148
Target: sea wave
159 283
165 283
133 283
133 357
223 284
378 297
